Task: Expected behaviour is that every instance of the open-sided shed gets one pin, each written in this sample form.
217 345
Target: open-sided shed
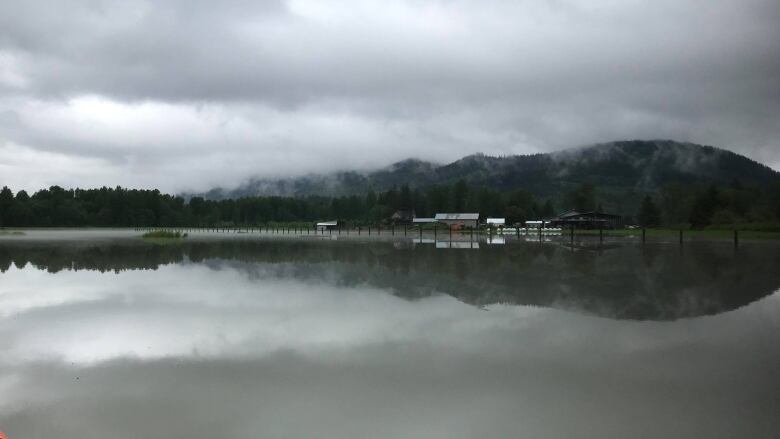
458 220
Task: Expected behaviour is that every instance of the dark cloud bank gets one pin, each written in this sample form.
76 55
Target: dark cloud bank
190 95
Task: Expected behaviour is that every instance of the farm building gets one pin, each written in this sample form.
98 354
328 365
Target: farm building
586 220
328 225
495 222
458 220
423 221
537 224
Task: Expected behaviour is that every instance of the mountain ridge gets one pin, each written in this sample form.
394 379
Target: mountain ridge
631 165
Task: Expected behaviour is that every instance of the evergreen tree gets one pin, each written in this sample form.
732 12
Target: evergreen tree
6 201
439 199
548 210
370 199
459 195
405 201
121 207
583 198
649 215
704 207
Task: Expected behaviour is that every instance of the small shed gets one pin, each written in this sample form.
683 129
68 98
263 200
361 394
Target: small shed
458 220
328 225
536 224
496 222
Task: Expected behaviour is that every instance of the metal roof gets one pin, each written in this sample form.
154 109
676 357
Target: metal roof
424 220
328 223
456 216
575 214
496 221
569 214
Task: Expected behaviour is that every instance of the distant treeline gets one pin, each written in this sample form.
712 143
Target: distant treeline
694 206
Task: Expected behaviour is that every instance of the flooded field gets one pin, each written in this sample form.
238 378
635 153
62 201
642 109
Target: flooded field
105 335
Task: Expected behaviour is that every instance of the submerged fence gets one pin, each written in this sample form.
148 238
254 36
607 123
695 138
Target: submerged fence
406 230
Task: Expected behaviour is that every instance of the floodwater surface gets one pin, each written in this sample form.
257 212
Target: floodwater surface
396 338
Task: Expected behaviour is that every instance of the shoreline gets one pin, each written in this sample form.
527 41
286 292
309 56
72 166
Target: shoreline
622 235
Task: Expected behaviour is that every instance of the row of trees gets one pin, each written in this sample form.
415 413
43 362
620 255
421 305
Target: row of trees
122 207
711 206
674 205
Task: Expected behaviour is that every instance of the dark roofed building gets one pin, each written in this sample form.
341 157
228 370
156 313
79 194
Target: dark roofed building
586 220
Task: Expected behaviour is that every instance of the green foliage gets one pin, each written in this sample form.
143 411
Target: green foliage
439 199
675 201
459 196
582 198
649 215
677 206
616 169
704 206
521 207
6 201
164 234
723 217
768 226
405 198
11 233
547 210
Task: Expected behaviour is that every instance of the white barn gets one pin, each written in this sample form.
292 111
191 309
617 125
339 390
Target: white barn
327 225
458 220
496 222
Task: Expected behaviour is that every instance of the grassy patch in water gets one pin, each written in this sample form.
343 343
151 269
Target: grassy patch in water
164 234
11 233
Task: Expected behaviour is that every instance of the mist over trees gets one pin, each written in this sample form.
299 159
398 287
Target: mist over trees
676 205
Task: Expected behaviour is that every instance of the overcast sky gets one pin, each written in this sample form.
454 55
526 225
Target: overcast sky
189 94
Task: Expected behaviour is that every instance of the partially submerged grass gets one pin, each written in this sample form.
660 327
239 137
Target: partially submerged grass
11 233
164 234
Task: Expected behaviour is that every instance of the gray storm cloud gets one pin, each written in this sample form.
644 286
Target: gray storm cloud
189 95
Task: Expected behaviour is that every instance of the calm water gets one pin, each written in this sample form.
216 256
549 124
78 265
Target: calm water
253 337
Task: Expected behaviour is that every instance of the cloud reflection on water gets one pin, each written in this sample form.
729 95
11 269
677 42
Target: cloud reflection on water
245 350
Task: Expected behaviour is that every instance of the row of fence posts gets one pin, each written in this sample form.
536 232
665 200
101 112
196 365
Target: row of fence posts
285 230
644 236
295 230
